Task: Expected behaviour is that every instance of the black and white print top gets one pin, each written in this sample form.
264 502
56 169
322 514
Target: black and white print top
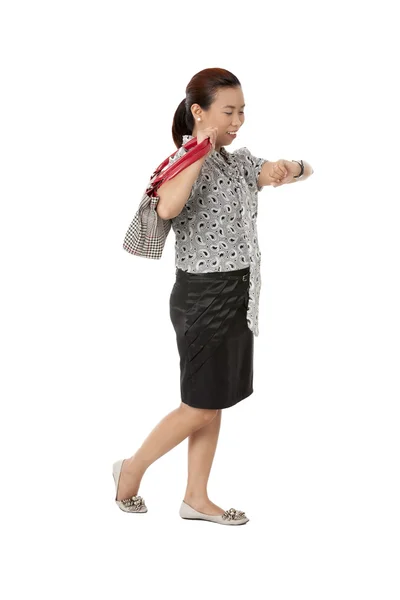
217 228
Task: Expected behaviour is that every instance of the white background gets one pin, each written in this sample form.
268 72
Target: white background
89 357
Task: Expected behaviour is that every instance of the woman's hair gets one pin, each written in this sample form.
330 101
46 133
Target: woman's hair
202 90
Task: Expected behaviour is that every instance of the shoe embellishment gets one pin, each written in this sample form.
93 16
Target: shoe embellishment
233 515
135 503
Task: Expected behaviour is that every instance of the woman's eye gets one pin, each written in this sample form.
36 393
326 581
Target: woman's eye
242 111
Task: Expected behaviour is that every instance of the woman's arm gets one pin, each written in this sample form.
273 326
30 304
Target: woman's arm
175 192
270 172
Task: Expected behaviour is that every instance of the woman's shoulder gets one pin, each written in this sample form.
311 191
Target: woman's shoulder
248 158
241 151
252 165
244 154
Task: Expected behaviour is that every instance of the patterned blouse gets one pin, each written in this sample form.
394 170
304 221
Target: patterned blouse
217 228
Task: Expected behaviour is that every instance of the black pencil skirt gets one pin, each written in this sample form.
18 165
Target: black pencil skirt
215 344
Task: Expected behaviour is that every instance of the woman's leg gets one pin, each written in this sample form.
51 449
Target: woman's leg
170 432
201 451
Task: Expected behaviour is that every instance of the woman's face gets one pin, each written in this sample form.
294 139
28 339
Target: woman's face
226 113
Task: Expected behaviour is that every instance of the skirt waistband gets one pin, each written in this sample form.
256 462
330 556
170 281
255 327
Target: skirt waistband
242 274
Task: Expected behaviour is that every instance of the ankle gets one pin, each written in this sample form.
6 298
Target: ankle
135 466
199 496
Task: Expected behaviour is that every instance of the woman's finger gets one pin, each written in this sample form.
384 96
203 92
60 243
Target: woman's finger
279 171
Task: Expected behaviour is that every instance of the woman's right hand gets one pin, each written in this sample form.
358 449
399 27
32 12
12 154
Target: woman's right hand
208 132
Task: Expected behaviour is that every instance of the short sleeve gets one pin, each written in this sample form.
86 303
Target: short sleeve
252 165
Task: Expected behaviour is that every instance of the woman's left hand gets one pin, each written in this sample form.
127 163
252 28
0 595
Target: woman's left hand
283 172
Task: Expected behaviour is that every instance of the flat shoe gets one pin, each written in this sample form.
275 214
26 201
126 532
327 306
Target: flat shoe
230 517
134 503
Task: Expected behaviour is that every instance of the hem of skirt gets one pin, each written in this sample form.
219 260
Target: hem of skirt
221 407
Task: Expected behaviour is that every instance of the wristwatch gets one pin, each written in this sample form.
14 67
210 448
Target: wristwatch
302 169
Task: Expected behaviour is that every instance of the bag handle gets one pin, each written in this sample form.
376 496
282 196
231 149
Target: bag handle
176 167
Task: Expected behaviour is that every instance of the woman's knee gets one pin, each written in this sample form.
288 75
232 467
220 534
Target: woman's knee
200 415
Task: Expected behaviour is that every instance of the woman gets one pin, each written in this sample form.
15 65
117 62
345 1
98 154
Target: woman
212 205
